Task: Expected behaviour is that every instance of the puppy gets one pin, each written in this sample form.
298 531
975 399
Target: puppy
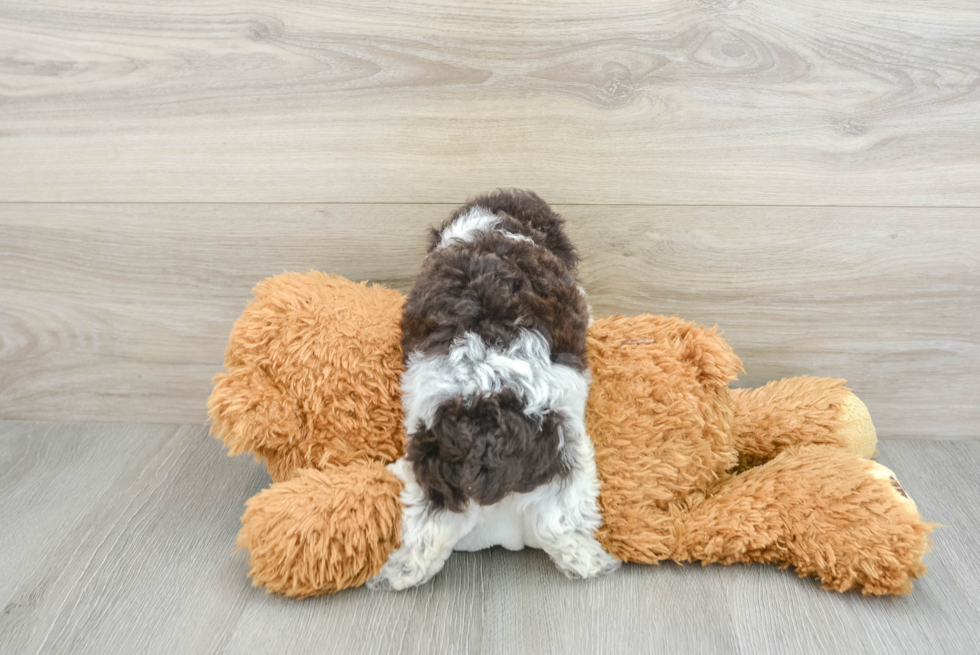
494 392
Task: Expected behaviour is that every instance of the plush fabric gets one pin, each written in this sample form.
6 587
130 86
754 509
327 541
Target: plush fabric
660 418
803 410
819 509
690 470
312 375
322 530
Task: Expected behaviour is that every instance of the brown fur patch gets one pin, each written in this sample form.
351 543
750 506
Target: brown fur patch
495 286
485 451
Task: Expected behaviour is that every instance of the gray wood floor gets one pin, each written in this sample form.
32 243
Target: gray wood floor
116 538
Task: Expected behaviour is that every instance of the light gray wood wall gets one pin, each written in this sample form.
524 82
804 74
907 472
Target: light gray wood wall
604 101
804 174
119 311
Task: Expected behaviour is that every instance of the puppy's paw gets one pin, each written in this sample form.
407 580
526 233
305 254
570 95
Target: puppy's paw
379 583
404 570
586 559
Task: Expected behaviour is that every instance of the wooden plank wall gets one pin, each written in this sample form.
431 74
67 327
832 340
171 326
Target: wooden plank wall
805 174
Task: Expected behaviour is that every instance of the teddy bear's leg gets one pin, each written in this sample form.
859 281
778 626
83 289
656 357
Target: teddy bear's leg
830 514
322 530
797 411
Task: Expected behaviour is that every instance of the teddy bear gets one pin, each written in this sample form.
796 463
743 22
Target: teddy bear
690 469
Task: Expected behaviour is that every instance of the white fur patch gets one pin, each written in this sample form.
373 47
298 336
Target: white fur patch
581 290
472 367
428 536
468 225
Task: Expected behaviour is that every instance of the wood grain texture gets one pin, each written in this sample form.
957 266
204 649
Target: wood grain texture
141 564
49 479
623 101
121 312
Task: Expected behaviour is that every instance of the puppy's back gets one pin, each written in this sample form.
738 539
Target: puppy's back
493 332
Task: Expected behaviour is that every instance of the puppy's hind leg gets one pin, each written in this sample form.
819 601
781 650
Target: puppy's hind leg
564 515
428 536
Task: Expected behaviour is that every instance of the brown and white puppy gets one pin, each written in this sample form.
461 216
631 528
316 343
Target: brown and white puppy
494 392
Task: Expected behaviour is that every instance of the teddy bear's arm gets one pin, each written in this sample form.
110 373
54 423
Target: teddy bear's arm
322 530
828 513
797 411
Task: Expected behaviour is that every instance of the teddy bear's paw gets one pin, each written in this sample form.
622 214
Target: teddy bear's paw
857 431
586 560
885 473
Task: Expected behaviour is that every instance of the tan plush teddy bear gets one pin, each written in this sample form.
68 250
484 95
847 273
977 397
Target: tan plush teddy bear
689 469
